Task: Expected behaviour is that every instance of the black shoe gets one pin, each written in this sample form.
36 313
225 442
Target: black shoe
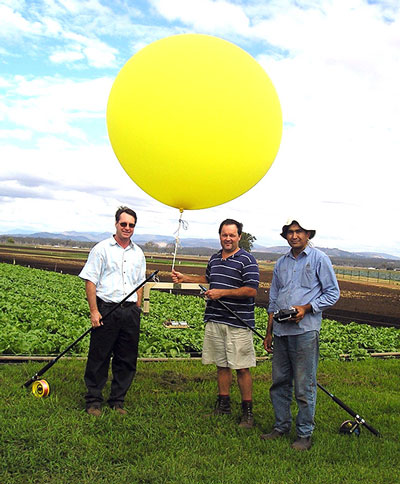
247 420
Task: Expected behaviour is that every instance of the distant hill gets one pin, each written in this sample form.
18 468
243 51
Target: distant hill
378 255
78 236
193 243
343 254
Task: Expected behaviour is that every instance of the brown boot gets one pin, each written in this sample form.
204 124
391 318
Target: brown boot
222 406
247 420
275 434
119 409
302 443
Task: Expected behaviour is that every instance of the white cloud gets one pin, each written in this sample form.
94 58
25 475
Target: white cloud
205 15
4 82
86 44
51 27
66 56
12 23
20 134
55 105
85 185
338 93
98 53
335 67
143 35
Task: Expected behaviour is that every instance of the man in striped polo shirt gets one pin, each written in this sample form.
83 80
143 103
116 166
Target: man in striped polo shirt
233 276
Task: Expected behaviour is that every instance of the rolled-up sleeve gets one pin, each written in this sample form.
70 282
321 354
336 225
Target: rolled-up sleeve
93 268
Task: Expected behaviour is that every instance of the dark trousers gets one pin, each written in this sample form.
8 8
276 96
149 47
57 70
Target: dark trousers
117 338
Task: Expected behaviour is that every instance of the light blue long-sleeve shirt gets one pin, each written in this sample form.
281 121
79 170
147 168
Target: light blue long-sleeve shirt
307 279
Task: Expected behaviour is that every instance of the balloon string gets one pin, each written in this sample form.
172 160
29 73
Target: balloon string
184 225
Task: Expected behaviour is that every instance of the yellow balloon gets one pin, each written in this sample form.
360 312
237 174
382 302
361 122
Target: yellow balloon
194 120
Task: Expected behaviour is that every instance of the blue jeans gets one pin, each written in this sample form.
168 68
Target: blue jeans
295 360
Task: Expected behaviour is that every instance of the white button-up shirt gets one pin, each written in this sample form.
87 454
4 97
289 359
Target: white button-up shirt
115 271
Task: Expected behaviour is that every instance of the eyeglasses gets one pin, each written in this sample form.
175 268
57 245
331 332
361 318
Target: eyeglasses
124 224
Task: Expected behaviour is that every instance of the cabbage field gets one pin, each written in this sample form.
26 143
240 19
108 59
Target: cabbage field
42 312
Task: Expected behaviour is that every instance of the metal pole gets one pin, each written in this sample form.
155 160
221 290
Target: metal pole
359 419
54 360
234 314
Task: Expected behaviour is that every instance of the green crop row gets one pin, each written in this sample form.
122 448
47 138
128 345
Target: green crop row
41 313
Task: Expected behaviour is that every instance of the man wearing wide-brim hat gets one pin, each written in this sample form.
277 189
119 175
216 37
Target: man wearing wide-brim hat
303 280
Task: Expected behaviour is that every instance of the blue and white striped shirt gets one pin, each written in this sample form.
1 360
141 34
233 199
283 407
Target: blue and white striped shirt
238 270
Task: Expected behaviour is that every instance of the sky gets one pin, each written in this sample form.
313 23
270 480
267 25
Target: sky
335 67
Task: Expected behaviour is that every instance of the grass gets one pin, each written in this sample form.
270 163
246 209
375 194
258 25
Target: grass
166 438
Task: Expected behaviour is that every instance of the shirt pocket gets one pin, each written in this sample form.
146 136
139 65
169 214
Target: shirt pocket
283 278
308 277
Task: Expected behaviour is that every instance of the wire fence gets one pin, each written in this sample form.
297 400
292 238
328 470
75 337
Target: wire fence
369 275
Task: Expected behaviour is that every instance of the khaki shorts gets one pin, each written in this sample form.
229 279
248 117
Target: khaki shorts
228 347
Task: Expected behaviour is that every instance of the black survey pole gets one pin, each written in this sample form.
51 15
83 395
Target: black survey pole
359 420
54 360
234 314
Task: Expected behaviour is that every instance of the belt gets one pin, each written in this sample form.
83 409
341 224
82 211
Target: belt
125 304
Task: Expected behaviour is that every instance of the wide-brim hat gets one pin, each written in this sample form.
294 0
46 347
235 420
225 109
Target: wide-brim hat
291 221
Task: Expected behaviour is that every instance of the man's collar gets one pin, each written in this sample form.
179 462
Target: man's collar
114 242
238 252
305 251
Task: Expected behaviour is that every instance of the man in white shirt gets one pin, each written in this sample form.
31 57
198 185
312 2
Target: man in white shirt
114 268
